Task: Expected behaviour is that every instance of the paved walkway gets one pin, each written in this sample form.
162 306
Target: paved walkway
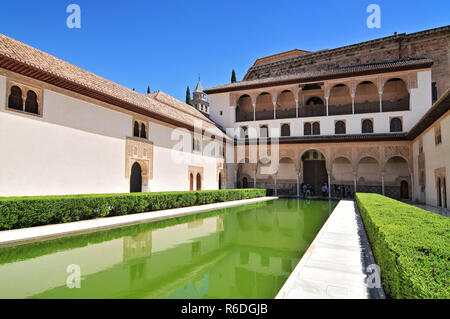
19 236
441 211
334 265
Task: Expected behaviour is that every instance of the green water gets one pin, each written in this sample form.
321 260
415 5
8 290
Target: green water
241 252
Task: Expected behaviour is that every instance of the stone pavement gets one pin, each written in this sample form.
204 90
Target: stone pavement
335 264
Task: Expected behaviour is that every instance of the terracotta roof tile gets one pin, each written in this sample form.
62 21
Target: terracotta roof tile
161 103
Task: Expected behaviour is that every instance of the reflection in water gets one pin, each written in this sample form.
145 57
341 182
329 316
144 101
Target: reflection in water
242 252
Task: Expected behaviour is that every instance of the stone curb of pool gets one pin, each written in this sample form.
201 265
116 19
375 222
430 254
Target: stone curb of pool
332 266
27 235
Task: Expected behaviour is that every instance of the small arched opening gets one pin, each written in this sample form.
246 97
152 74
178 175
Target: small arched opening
136 178
199 182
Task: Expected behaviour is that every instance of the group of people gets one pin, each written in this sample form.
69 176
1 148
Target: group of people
343 191
307 191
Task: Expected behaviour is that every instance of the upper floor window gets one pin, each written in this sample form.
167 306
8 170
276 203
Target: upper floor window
31 104
285 130
438 136
23 98
316 128
136 132
140 129
367 126
264 131
396 125
143 131
15 100
339 127
307 129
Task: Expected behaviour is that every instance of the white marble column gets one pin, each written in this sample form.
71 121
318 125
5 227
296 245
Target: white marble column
382 184
381 102
254 179
355 175
298 184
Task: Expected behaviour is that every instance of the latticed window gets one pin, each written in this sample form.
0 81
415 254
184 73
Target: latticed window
339 127
396 125
15 100
307 129
367 126
31 104
285 130
316 128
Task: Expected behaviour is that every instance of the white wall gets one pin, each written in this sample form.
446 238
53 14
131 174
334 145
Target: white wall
435 157
78 147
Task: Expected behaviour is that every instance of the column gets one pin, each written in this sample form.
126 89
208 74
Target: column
329 185
276 184
326 100
381 102
296 107
254 179
298 184
254 111
411 189
355 175
353 104
382 183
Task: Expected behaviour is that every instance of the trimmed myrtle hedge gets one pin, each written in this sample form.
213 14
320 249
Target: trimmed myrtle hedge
411 246
22 212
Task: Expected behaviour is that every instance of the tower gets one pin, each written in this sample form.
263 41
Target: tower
199 100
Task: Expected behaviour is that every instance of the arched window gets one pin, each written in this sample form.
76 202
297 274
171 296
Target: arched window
314 101
264 131
31 104
396 125
15 100
285 130
191 182
316 128
199 182
367 126
143 131
136 129
339 127
307 129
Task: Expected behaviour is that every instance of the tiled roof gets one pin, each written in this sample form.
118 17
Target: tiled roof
166 106
385 66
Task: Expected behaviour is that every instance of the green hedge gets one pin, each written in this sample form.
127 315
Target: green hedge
411 246
22 212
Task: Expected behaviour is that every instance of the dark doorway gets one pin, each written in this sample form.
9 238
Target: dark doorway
245 182
136 178
199 182
445 192
315 174
439 193
404 190
220 181
191 182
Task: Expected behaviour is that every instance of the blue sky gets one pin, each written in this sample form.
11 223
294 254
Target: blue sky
166 44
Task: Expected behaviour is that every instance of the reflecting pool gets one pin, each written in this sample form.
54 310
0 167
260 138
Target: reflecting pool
240 252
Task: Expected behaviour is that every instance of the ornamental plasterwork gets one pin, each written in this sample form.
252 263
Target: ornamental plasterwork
362 152
141 151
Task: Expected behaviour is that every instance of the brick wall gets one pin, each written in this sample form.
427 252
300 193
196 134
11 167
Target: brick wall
432 44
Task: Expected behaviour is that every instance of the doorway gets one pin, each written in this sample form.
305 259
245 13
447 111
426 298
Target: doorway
136 178
404 190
